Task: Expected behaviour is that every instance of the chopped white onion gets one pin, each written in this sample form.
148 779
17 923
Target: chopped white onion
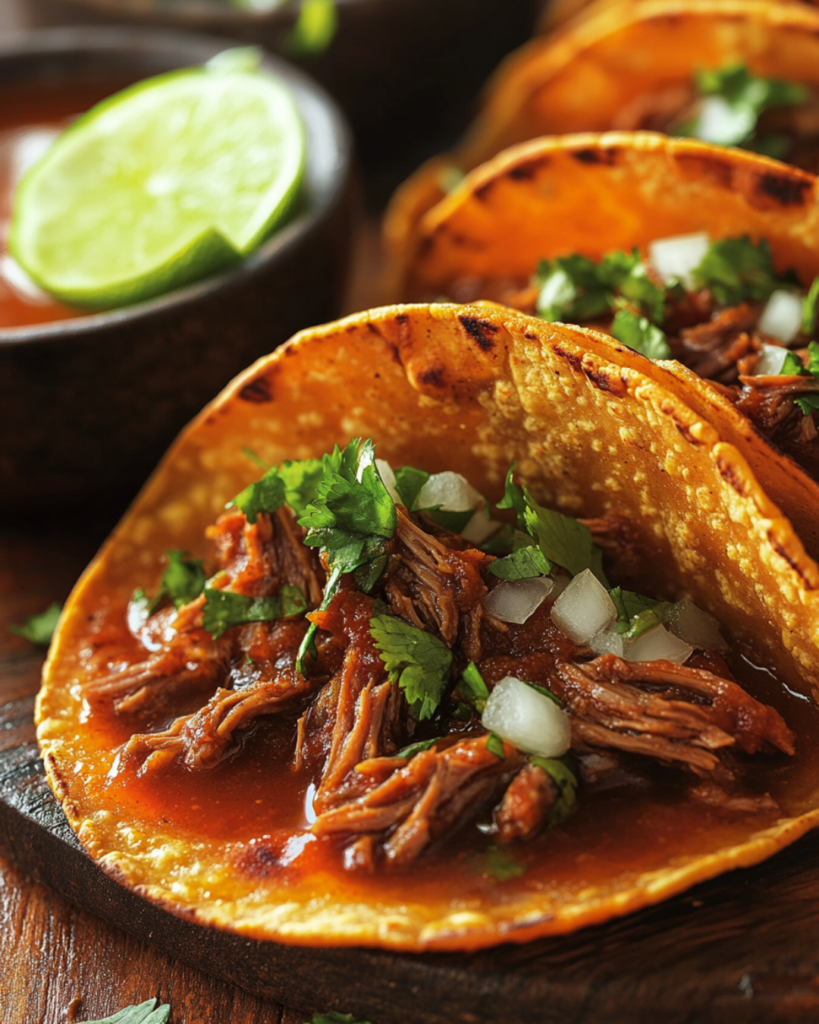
518 600
782 316
717 120
696 627
607 642
771 360
388 479
657 644
527 719
584 608
451 491
676 258
479 528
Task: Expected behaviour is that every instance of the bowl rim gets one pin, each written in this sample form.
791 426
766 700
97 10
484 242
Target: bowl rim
193 12
328 172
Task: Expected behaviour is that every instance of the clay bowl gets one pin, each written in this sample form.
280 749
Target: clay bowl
406 72
88 405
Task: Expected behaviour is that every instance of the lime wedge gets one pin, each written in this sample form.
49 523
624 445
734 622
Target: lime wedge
162 184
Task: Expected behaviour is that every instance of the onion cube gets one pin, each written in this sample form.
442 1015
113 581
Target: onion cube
479 528
676 258
657 644
607 642
517 600
388 479
782 316
584 608
451 491
696 627
771 360
527 719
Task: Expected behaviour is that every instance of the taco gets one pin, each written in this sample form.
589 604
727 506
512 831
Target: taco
679 249
558 12
738 72
353 707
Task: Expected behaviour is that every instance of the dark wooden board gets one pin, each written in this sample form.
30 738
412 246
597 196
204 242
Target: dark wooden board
742 948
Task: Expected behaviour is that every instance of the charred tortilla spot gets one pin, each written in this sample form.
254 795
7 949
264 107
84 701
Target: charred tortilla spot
574 360
481 331
483 191
433 376
526 171
782 552
596 156
401 318
786 189
605 381
261 861
729 473
710 167
256 391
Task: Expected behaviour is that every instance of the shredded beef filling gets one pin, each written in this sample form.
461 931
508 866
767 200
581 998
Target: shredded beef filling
387 807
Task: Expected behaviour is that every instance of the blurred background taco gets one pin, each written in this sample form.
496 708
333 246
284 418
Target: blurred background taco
680 250
737 72
506 730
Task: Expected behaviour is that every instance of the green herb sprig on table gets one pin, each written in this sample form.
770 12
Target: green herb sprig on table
39 629
144 1013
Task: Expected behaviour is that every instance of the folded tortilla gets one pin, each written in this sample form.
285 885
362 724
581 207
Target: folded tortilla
593 431
580 79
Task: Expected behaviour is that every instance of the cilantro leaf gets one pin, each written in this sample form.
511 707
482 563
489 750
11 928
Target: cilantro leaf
565 541
736 269
523 564
641 291
546 693
224 609
472 688
334 1017
419 662
792 366
144 1013
640 334
810 305
494 744
807 404
293 483
502 865
513 498
637 614
39 629
744 97
182 581
265 495
408 483
565 779
351 518
417 748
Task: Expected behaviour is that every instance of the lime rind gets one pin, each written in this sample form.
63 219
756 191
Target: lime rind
167 182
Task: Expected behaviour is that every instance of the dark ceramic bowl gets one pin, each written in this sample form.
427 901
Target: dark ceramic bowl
406 72
87 406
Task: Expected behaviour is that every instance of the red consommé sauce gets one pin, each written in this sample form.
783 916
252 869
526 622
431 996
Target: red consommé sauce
27 118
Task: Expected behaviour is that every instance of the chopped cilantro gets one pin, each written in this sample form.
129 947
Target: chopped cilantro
473 689
417 748
144 1013
408 483
351 518
736 269
182 581
502 865
523 564
807 404
792 366
513 498
637 614
293 483
565 779
39 629
494 744
575 288
224 609
809 307
745 97
640 334
418 661
565 541
462 712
